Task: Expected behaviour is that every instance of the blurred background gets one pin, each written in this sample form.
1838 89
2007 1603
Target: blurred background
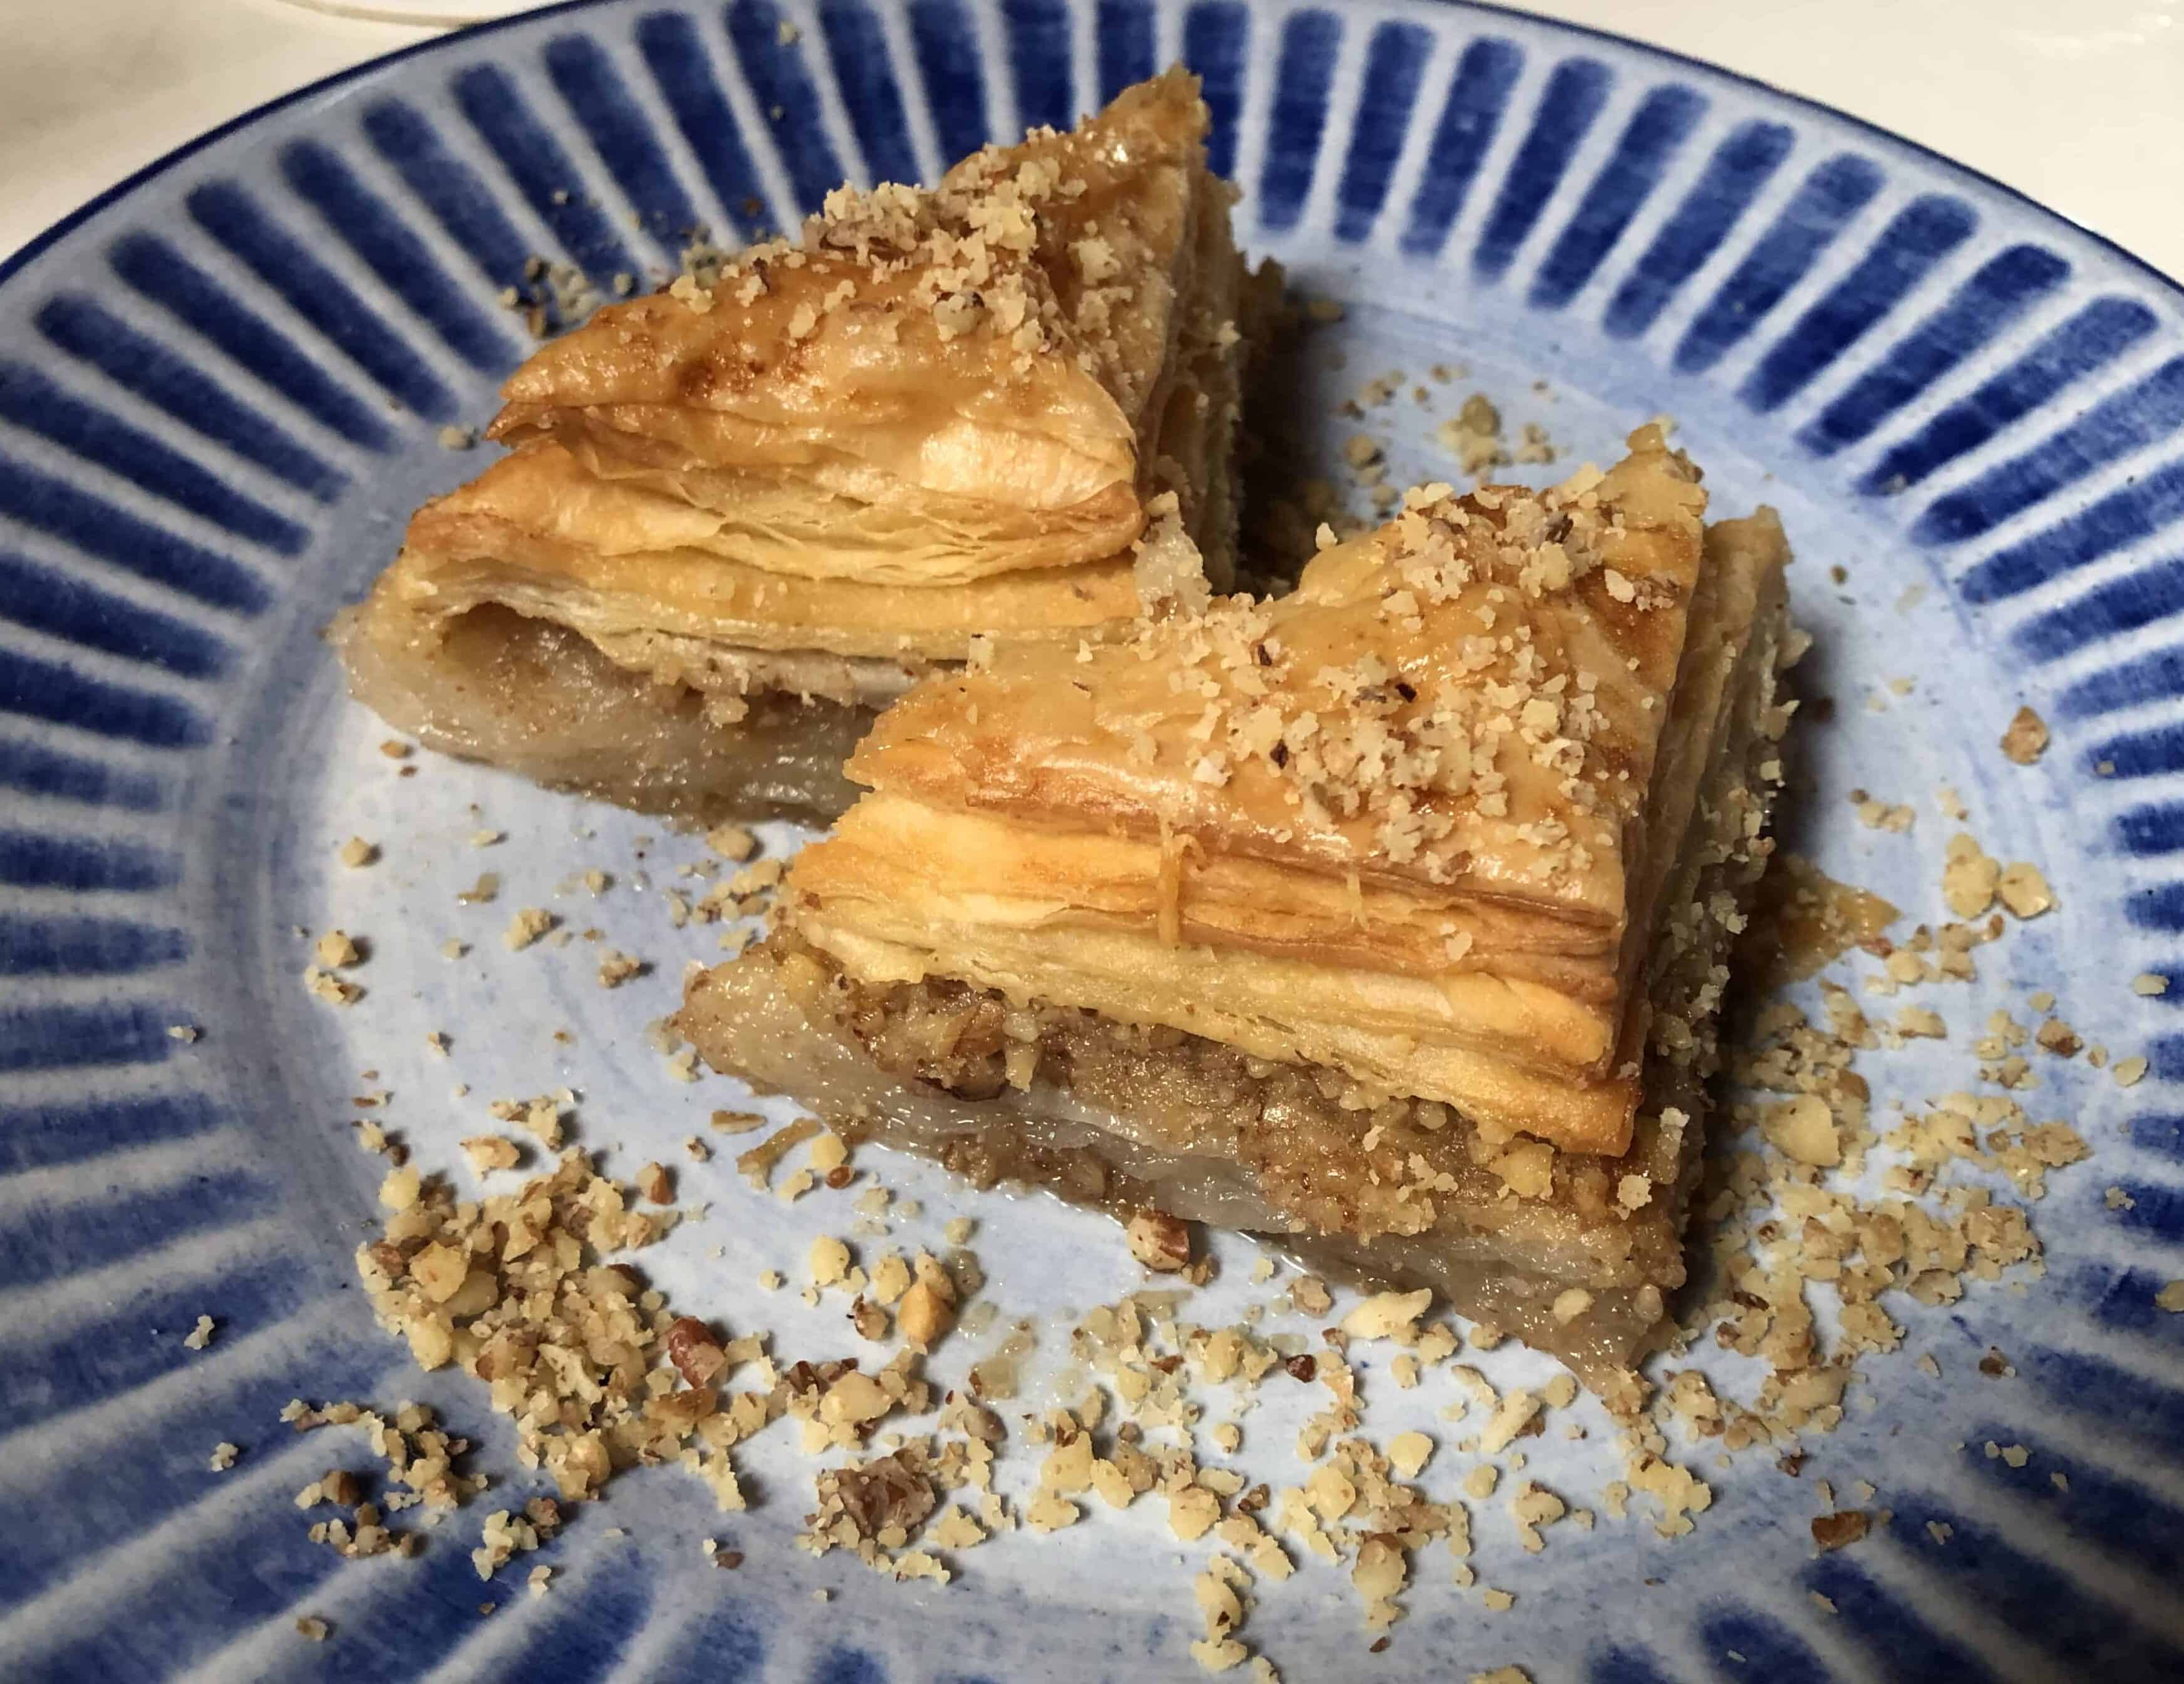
2081 106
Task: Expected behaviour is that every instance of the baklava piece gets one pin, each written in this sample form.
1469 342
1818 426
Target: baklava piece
741 517
1388 919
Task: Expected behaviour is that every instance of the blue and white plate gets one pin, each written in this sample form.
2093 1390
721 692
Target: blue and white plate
223 387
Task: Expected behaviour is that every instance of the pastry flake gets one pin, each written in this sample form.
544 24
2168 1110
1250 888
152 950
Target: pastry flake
749 510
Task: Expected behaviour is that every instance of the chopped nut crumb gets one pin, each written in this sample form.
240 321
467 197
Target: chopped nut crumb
1159 1241
333 989
527 927
1836 1530
488 1153
2024 890
829 1261
928 1307
2026 738
1387 1315
732 842
1969 878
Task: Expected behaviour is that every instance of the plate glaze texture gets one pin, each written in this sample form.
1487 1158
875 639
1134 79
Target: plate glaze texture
223 386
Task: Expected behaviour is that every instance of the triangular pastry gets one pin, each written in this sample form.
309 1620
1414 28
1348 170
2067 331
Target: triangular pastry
1387 917
743 512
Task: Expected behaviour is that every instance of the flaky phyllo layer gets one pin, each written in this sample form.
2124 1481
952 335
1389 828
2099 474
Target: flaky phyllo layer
999 409
1413 822
1390 917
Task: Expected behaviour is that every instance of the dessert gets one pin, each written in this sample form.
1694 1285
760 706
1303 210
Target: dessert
1388 918
743 514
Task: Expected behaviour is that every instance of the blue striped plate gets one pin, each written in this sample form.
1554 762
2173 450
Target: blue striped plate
223 386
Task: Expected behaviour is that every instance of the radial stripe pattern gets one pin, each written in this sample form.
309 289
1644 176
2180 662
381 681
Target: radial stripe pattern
209 389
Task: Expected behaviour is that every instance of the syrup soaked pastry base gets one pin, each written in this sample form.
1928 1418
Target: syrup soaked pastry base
542 701
1126 1119
742 515
1575 1250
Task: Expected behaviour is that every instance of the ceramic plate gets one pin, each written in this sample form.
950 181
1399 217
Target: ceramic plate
222 388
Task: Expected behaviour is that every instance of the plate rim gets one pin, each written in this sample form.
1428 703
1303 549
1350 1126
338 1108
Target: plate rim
16 262
1548 33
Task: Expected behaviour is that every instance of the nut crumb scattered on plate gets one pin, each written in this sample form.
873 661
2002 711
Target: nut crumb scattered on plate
2026 738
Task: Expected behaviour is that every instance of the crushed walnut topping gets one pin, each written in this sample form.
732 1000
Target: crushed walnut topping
1001 251
1477 730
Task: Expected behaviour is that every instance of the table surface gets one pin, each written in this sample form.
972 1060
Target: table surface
2084 115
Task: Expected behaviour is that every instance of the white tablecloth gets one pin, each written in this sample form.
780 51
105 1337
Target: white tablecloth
2081 106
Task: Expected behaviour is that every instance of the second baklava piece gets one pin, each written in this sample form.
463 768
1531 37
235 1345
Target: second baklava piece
1389 919
743 514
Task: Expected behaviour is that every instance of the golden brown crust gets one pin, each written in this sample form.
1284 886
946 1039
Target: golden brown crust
535 534
1037 291
1007 342
1472 695
1002 407
811 526
1405 823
